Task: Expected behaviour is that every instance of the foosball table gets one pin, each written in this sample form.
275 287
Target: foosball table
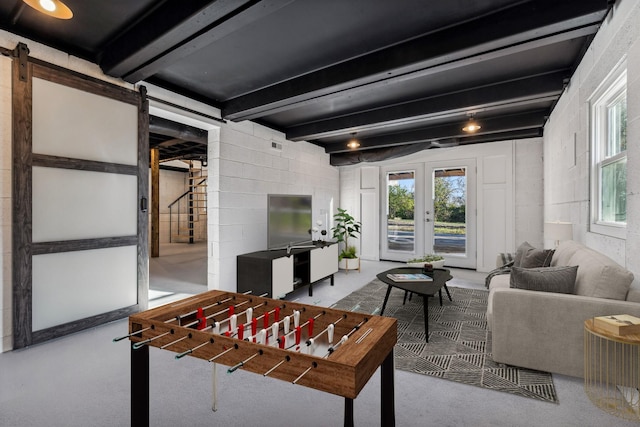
331 350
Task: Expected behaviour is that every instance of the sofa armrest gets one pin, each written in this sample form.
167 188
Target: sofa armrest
544 330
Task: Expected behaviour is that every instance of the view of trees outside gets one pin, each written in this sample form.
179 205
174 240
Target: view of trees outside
449 211
449 205
400 221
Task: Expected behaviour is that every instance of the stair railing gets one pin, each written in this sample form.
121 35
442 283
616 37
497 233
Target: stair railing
189 213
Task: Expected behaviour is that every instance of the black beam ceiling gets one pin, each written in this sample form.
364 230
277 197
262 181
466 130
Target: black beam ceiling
386 153
490 126
173 129
213 22
531 89
164 27
505 29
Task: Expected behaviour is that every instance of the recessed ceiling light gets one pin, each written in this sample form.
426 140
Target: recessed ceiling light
54 8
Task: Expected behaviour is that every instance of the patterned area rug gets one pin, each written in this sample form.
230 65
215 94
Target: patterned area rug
459 347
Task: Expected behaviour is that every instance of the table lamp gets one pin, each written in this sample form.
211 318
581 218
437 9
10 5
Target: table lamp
558 231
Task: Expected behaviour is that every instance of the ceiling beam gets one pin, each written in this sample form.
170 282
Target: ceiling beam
176 130
387 153
485 97
522 26
506 123
166 26
176 30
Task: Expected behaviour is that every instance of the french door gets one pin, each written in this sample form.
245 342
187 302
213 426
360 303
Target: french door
430 208
450 211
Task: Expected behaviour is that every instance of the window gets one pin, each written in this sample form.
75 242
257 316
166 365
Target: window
609 155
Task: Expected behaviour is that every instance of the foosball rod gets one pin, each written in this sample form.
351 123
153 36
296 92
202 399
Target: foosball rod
313 365
131 334
253 336
147 341
330 326
286 359
241 364
191 350
181 316
235 347
344 338
176 341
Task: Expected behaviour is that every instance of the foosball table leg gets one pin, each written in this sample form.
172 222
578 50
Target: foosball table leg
348 412
387 400
140 387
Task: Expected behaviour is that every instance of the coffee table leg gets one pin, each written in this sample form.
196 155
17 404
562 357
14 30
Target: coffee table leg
448 294
425 302
386 297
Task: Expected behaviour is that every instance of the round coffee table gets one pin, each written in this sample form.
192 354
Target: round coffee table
425 289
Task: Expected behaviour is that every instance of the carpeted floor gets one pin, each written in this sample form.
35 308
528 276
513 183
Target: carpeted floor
459 347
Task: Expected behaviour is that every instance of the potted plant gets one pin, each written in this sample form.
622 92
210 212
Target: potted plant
346 226
436 261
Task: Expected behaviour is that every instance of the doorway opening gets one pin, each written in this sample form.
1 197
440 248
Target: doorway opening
178 208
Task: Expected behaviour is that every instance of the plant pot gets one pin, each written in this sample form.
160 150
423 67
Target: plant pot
349 264
435 264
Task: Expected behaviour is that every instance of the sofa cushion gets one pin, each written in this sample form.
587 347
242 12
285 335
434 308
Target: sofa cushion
528 257
560 279
563 253
599 276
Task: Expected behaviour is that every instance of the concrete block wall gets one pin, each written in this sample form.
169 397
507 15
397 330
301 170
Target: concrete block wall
529 197
248 169
567 137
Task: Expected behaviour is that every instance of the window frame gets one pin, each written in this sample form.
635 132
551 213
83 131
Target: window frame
608 92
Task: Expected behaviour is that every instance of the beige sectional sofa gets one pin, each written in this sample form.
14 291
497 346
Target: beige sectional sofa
545 330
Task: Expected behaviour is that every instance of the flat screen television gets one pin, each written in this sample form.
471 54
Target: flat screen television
289 221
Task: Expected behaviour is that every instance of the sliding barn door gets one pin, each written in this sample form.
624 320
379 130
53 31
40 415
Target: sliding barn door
80 194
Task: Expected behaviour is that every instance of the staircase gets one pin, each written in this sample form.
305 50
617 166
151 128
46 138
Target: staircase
188 213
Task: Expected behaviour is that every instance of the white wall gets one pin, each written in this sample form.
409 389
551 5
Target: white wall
567 142
508 172
529 192
248 169
6 324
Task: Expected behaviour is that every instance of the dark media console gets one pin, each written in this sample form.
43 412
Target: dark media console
281 271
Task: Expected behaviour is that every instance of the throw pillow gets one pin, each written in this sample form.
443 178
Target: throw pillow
560 279
529 257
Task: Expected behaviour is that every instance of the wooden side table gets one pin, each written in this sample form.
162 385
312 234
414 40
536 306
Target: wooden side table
612 371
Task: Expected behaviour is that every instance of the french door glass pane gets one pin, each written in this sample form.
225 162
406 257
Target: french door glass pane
614 192
400 211
449 205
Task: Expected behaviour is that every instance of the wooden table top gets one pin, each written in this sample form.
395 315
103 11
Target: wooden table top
625 339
